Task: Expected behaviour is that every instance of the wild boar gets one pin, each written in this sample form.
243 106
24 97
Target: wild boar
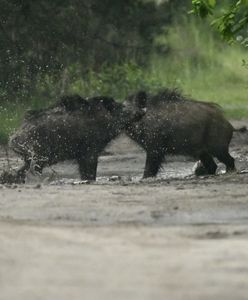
174 124
73 128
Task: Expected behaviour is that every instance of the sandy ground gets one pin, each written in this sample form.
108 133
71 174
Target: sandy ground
174 237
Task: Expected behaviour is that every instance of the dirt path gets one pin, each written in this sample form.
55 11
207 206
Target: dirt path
174 237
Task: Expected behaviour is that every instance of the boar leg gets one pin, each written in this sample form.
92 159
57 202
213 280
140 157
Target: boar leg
21 173
199 169
226 159
39 166
87 167
153 164
208 163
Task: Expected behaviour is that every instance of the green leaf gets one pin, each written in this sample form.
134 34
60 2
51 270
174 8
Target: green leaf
212 3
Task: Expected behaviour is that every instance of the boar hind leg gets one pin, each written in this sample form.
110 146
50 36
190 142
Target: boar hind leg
21 173
87 167
208 166
226 159
153 164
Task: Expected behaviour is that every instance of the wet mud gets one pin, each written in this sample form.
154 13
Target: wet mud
173 237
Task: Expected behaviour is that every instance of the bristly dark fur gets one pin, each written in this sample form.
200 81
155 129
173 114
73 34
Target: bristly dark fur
107 102
72 103
167 95
69 103
175 95
141 99
75 102
177 124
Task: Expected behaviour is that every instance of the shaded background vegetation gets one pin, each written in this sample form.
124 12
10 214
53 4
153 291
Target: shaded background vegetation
112 47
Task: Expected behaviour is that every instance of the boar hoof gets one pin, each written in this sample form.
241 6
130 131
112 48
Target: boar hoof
199 169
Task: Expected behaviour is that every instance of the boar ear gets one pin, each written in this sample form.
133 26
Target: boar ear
141 99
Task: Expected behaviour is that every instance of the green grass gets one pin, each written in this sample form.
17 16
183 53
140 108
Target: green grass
199 63
204 67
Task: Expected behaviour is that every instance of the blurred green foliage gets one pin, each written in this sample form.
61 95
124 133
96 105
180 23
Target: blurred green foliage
46 38
229 17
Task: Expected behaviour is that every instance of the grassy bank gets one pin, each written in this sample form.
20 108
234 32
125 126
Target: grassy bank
197 62
204 67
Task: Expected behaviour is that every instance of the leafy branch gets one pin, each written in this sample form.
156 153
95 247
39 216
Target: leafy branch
229 23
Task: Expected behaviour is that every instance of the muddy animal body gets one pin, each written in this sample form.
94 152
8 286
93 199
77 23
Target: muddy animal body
176 125
73 128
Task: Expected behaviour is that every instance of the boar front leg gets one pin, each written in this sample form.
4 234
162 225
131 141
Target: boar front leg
227 159
153 164
15 177
88 166
208 163
21 173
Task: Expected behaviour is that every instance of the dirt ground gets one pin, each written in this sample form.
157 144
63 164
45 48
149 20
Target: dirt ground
173 237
